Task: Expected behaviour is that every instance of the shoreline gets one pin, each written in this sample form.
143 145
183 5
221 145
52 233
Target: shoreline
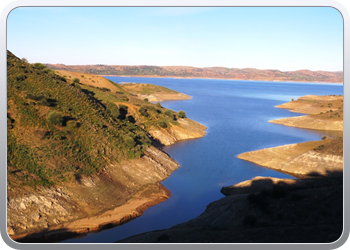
320 113
305 159
219 78
132 209
150 195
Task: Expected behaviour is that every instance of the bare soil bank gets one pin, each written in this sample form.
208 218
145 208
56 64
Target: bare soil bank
309 158
324 113
301 159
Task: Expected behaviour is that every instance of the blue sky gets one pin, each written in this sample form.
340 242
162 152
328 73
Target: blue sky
284 38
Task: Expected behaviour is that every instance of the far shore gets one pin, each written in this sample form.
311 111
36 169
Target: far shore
236 79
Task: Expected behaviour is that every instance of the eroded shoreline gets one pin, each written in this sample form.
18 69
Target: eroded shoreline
307 158
272 210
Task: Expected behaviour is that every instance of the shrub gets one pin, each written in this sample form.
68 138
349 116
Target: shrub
72 124
181 114
114 110
158 105
143 111
162 124
20 77
55 118
39 66
129 141
146 99
76 80
124 98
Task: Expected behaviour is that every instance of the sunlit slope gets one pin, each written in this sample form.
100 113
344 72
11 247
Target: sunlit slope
58 131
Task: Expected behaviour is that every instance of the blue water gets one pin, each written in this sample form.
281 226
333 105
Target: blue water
236 114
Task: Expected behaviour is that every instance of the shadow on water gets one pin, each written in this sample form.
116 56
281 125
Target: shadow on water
308 210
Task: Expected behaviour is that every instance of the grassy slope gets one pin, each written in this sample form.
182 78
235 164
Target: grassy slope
90 137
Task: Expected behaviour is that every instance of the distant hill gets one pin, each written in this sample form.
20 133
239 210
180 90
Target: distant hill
209 72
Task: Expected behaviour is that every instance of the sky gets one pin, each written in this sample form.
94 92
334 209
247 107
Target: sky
283 38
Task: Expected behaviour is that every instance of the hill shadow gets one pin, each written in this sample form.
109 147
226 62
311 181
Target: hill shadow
268 210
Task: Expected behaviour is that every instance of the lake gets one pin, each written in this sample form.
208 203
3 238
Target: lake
236 114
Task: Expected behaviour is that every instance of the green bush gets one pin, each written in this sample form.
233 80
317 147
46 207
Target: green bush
181 114
20 77
129 141
72 124
39 66
143 111
55 118
76 80
162 124
114 110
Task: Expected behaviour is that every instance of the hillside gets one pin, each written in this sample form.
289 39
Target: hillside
208 72
150 92
77 150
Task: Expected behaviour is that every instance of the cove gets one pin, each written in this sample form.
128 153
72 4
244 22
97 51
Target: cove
236 114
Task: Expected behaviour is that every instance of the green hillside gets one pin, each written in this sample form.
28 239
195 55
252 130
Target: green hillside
59 130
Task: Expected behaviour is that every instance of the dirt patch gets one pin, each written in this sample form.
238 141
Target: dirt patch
89 79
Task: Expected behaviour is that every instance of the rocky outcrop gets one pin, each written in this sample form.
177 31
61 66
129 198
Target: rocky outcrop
301 159
187 129
309 122
118 184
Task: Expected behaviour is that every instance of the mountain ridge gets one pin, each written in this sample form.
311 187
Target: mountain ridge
302 75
